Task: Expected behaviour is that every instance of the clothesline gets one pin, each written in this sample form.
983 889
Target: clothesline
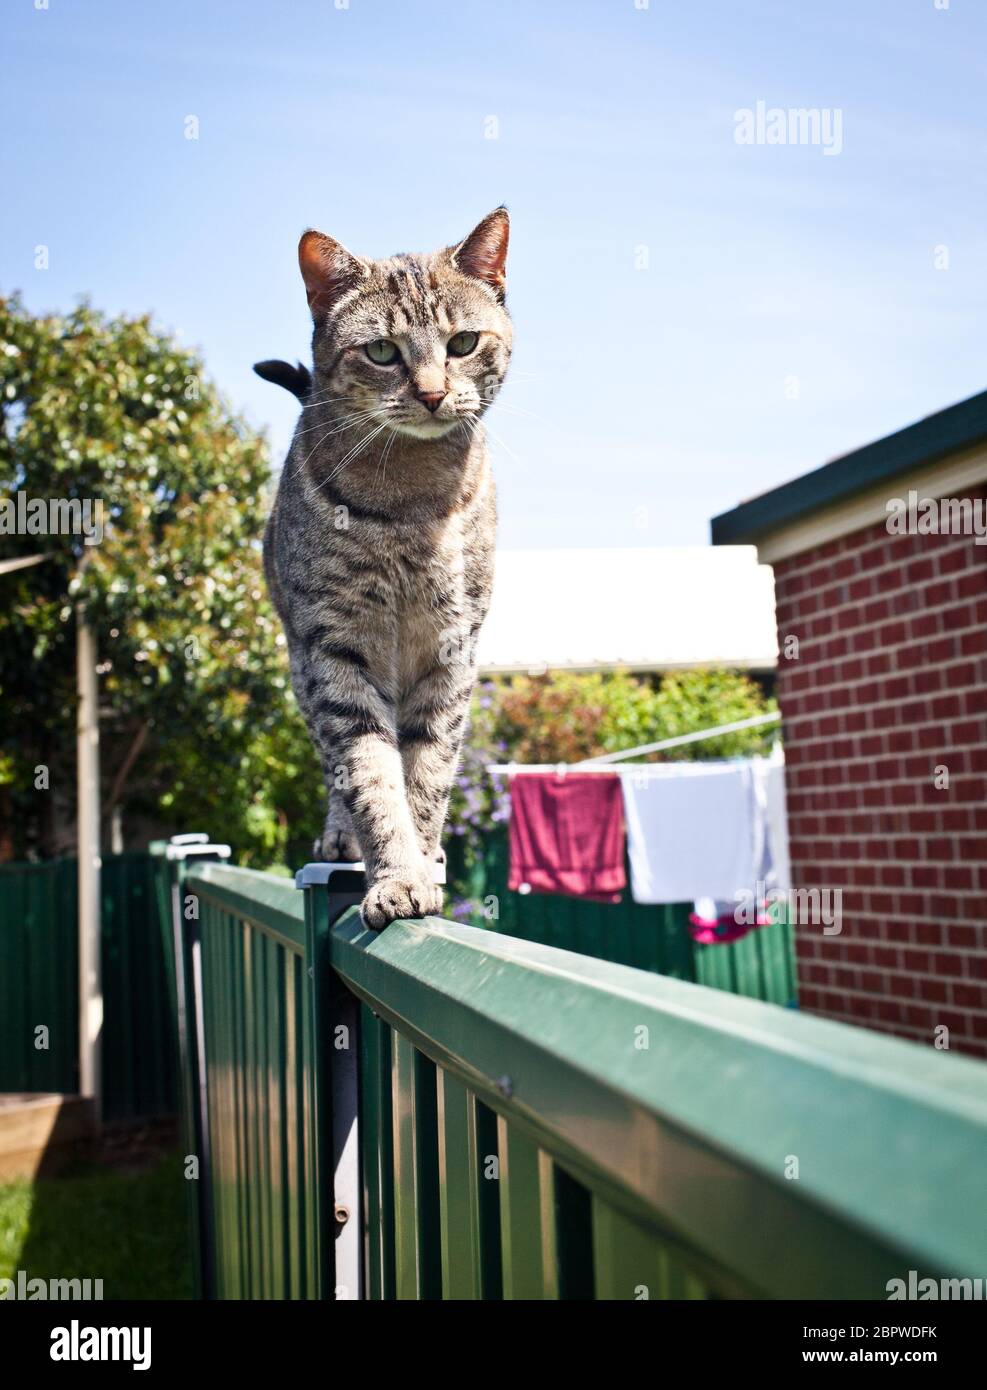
603 762
712 833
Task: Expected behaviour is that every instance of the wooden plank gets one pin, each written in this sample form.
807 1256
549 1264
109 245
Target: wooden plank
39 1134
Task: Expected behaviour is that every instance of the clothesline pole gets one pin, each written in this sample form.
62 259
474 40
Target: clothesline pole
509 769
603 762
680 739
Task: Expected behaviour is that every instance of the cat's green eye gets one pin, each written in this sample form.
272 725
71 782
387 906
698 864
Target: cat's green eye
383 352
462 344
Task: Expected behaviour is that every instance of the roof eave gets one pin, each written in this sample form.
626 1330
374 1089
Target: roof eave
958 427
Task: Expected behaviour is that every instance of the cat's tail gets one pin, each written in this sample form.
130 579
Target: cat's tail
297 380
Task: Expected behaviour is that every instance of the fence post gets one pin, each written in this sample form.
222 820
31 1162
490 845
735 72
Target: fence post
181 851
329 890
89 865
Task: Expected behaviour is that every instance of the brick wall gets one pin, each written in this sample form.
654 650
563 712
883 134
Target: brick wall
889 683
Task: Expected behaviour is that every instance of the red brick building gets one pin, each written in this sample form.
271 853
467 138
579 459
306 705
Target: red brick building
882 682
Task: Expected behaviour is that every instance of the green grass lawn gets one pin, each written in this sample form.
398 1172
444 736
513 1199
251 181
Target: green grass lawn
127 1228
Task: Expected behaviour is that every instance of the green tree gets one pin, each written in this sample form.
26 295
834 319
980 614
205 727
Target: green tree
194 693
566 716
686 702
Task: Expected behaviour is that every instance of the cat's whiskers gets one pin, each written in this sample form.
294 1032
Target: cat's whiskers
320 397
311 451
381 469
362 418
513 409
474 424
347 423
488 432
318 444
352 454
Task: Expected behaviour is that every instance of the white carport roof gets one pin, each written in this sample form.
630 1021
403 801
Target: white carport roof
645 609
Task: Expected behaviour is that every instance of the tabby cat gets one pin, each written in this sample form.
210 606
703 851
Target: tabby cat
379 548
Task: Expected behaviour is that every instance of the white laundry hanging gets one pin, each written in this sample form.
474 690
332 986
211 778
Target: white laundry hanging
770 773
708 833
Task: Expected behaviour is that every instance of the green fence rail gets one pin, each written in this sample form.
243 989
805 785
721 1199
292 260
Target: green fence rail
438 1111
39 985
760 965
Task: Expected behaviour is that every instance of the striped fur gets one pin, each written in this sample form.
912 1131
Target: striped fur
379 548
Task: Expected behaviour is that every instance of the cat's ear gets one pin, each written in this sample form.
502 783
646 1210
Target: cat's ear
328 270
483 254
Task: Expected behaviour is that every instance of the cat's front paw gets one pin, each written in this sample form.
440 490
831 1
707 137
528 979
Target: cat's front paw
394 898
338 847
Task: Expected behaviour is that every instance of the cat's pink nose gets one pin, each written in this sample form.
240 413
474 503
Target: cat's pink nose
431 400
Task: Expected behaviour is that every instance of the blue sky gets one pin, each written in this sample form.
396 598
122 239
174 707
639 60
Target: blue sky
643 401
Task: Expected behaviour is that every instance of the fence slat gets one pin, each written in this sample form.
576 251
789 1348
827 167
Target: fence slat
294 1099
631 1263
460 1177
376 1118
527 1204
416 1176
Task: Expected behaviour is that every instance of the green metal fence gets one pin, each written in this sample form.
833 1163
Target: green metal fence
438 1111
760 965
253 981
38 977
39 985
